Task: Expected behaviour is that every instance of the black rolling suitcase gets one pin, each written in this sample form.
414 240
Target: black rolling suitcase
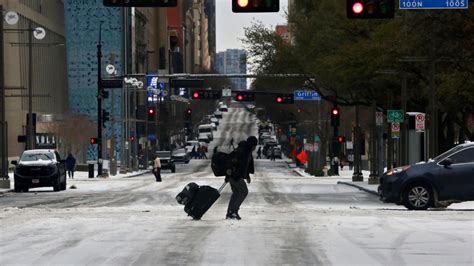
188 193
202 201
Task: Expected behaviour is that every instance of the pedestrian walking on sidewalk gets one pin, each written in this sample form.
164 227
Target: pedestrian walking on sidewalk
70 165
259 153
157 169
350 158
244 167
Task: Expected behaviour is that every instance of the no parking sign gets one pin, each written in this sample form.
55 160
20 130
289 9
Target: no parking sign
420 123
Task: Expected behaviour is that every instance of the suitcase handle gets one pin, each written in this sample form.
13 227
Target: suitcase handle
222 187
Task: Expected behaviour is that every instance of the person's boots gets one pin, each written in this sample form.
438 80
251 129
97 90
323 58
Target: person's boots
233 216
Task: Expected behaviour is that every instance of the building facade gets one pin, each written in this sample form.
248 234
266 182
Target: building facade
48 76
233 61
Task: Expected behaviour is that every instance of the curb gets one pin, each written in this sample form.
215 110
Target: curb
6 191
298 173
359 187
139 174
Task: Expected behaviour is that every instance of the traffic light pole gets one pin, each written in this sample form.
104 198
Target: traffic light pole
357 175
3 121
99 103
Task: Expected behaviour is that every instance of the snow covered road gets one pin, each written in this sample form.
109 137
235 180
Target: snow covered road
287 219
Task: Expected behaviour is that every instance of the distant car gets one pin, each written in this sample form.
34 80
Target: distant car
263 137
439 182
206 129
224 108
215 121
180 156
39 168
214 126
190 144
166 160
204 138
218 114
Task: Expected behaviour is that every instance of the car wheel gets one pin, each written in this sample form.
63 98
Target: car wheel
63 185
418 196
57 186
17 188
25 189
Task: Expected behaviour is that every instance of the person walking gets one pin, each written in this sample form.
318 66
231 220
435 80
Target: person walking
259 153
70 165
350 158
157 169
203 152
193 153
231 144
272 154
243 168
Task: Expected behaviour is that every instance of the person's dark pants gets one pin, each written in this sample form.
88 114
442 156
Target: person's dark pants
70 173
239 193
157 173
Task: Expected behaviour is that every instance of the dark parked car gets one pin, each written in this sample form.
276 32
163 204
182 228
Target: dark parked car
166 160
39 168
180 156
439 182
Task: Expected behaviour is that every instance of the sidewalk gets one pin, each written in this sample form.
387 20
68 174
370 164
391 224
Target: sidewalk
80 175
344 178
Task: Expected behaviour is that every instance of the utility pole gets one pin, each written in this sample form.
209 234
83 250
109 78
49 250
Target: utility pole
404 125
3 121
31 133
357 175
433 136
99 102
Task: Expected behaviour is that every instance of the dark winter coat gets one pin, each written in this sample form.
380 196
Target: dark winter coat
244 161
70 162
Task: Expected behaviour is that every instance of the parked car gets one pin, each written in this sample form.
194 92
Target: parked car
223 108
439 182
215 121
39 168
180 156
204 138
193 143
206 129
263 137
218 114
214 126
166 160
276 149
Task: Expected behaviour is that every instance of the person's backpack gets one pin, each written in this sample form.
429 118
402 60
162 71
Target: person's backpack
224 164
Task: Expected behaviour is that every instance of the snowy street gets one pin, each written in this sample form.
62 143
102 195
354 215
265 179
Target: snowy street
286 219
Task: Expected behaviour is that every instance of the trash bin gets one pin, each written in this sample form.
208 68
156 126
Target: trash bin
91 170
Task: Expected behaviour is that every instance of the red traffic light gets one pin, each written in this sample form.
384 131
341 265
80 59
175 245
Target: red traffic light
335 111
240 97
93 141
279 99
299 110
195 95
189 111
151 110
341 139
357 7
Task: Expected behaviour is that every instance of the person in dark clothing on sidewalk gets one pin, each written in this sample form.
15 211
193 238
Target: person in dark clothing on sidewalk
243 168
70 165
259 153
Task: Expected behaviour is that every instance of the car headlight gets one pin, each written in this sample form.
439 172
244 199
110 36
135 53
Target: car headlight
398 170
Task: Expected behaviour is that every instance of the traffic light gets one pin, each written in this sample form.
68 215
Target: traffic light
335 114
141 3
370 9
299 110
93 140
245 97
188 114
285 98
253 6
105 117
151 112
206 95
341 139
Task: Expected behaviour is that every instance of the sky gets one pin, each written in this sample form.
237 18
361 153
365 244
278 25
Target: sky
230 26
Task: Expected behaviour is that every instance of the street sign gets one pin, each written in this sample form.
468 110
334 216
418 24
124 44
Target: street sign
433 4
396 130
110 69
12 18
349 145
316 147
111 83
395 116
317 138
39 33
420 123
306 95
226 92
379 118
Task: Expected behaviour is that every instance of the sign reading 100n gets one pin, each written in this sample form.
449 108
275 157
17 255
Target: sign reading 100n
433 4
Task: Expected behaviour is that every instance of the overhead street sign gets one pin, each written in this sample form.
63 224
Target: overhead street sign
433 4
395 116
306 95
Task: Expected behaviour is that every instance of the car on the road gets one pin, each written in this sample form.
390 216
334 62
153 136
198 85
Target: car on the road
206 129
263 138
215 121
272 145
214 126
218 114
166 160
203 138
446 179
39 168
223 108
180 156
